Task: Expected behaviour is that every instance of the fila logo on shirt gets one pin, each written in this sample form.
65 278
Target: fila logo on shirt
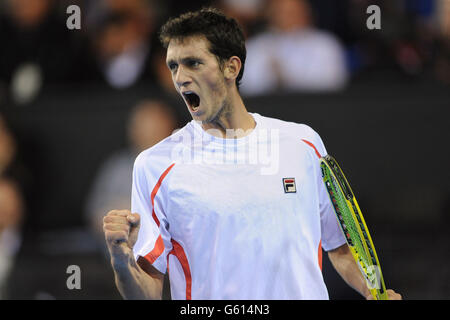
289 185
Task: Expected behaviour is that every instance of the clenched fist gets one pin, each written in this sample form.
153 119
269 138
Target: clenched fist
121 229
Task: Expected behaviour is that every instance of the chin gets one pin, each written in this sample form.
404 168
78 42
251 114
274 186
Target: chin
197 113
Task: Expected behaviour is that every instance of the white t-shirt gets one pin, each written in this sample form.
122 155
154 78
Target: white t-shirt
242 218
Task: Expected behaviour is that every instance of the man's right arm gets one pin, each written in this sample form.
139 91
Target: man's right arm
134 279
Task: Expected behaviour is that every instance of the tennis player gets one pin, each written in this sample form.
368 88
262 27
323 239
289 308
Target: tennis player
208 208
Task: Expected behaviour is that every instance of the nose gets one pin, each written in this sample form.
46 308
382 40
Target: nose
181 77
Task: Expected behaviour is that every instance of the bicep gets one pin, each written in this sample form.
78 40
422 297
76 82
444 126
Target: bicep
339 254
149 269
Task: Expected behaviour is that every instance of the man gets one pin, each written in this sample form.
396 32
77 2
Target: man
207 211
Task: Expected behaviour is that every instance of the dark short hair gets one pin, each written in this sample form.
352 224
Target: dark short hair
223 33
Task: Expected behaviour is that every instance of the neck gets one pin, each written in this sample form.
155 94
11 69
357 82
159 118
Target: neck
233 120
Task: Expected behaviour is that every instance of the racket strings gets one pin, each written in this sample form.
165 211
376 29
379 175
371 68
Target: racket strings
347 222
345 218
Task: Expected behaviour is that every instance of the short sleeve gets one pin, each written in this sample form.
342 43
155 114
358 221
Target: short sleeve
331 233
147 195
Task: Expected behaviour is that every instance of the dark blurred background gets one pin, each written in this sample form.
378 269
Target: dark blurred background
76 106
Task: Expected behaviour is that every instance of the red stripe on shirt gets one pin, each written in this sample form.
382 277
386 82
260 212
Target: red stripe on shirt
158 249
155 191
179 252
313 146
320 254
320 242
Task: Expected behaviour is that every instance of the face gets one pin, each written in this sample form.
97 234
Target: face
7 146
11 204
197 76
149 124
288 15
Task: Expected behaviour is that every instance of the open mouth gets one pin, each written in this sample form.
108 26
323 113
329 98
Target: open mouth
192 99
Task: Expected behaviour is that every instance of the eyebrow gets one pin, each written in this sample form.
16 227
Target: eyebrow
184 60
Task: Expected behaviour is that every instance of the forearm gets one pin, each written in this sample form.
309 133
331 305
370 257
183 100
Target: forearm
345 265
133 282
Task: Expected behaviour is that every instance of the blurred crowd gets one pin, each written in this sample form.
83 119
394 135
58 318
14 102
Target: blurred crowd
302 45
14 180
292 45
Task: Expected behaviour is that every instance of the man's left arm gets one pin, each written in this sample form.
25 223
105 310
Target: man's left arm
345 265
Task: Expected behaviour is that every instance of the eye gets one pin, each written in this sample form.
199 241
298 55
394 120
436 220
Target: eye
193 63
172 66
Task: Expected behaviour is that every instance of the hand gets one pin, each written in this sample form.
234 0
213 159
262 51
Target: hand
392 295
121 228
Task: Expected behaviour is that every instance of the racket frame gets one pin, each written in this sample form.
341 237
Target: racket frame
375 282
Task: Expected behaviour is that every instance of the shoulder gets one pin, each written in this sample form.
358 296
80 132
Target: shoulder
297 132
162 155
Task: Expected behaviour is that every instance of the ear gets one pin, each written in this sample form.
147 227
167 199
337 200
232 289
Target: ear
232 68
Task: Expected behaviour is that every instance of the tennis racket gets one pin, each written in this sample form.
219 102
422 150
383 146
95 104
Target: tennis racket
353 226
